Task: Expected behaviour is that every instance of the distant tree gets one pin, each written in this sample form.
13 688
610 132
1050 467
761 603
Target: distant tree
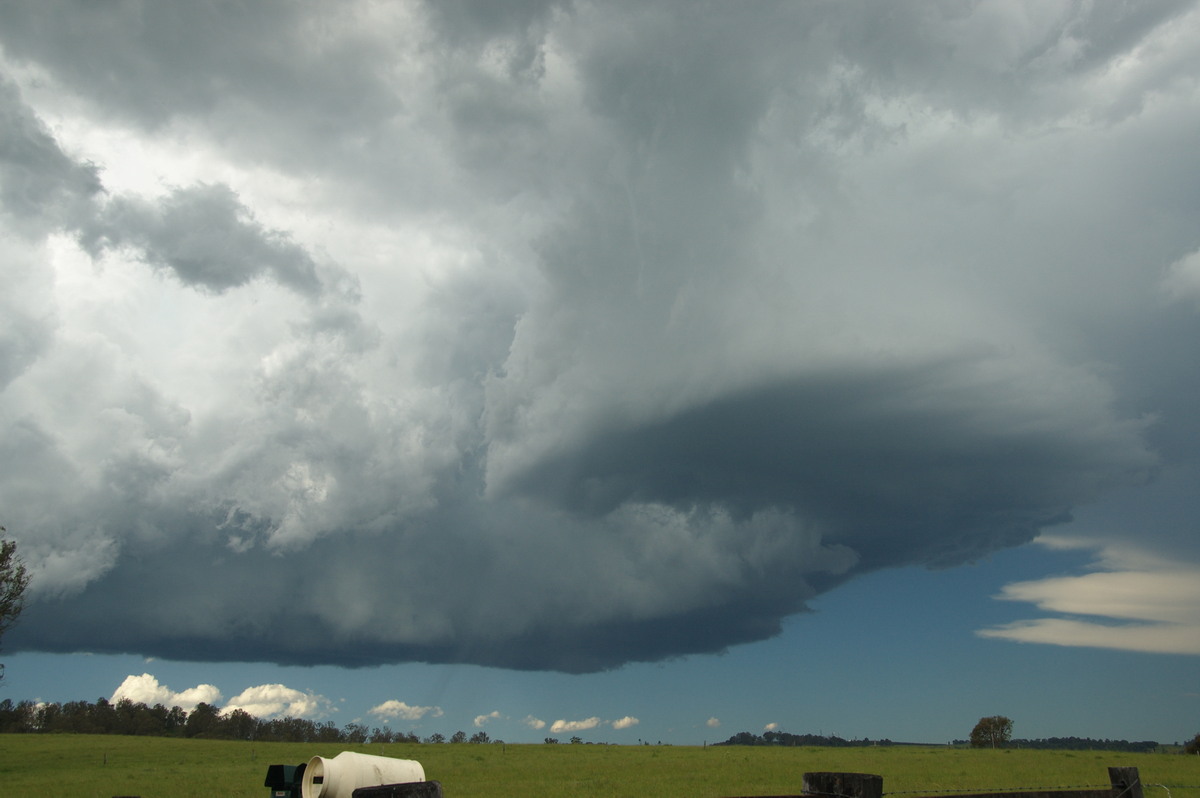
551 741
1193 747
237 725
176 720
458 737
354 733
104 717
327 732
17 717
480 737
576 740
202 721
991 732
436 737
13 581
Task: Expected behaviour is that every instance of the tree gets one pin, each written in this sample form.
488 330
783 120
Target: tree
1193 747
991 732
384 735
458 737
237 725
480 737
202 721
354 733
13 581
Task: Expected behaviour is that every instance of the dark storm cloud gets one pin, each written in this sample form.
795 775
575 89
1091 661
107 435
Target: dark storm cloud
39 183
205 236
908 467
648 323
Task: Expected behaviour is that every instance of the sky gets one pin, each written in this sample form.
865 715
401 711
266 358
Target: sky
643 371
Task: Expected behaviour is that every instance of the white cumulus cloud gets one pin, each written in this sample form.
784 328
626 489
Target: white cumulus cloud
480 720
626 722
534 723
574 725
712 723
398 710
145 689
277 700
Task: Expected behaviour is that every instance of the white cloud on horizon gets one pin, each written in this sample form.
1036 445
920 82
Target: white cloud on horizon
586 724
398 710
277 700
261 701
145 689
713 723
534 723
1133 602
481 720
626 722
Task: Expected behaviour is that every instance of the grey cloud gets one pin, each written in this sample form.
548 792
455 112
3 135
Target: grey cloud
205 236
203 233
158 63
39 183
904 466
26 321
440 590
717 310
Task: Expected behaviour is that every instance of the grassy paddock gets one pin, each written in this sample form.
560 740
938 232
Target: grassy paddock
87 766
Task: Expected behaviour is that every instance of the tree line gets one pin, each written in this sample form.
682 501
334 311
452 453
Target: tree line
786 739
1080 744
205 721
1048 743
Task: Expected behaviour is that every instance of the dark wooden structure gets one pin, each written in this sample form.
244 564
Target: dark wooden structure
1124 783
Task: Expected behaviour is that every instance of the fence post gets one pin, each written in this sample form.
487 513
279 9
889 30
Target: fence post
845 785
1125 782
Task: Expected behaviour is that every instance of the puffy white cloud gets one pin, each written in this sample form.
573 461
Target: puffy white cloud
480 720
625 722
398 710
268 700
560 726
145 689
534 723
771 727
713 723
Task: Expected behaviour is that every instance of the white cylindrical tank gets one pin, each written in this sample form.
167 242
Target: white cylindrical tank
340 776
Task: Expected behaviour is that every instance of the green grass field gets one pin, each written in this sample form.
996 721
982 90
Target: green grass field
87 766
